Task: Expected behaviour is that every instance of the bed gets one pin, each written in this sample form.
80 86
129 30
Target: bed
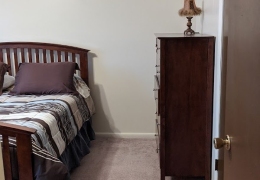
44 136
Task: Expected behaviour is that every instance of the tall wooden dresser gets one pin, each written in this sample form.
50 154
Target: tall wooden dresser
184 104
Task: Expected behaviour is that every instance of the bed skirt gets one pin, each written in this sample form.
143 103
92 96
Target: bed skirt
70 158
79 146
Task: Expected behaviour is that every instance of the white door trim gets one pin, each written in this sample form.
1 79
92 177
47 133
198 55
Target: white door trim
217 87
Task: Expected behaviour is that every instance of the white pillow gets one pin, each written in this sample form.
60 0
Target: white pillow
81 86
8 81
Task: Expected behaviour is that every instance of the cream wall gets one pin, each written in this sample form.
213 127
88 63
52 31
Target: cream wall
211 22
120 35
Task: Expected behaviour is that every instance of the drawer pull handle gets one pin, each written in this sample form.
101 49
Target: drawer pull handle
156 135
157 65
155 98
157 150
158 124
157 71
155 89
156 112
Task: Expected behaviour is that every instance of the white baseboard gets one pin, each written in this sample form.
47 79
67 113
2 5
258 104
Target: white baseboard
125 135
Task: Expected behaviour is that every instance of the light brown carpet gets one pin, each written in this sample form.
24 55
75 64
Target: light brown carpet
119 159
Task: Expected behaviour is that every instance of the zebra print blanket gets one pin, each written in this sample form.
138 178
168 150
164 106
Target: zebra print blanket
57 119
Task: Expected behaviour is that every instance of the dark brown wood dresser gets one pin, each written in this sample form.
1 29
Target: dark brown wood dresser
184 104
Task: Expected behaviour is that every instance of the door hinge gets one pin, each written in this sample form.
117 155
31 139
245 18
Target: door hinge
216 164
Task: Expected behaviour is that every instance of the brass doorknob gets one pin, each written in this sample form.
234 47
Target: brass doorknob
219 143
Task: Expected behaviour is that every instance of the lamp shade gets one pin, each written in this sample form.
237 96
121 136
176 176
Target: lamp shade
189 9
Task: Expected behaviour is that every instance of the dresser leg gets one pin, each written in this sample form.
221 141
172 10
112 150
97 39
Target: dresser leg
162 174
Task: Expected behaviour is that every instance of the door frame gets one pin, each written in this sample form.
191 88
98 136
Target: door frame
217 88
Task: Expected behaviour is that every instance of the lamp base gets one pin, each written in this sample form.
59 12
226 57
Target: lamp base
189 31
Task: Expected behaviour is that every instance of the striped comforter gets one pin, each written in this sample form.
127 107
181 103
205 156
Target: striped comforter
57 119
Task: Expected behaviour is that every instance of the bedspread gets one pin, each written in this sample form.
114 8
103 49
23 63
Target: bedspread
57 119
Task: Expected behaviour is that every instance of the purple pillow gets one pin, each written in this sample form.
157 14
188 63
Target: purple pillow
45 78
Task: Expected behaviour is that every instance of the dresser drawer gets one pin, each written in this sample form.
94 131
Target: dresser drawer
156 87
157 81
157 135
157 150
157 122
157 107
157 68
156 93
158 54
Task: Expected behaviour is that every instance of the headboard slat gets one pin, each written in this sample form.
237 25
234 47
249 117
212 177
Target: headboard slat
30 54
59 56
1 55
73 57
8 51
22 52
43 53
37 55
66 56
84 63
51 56
44 57
15 60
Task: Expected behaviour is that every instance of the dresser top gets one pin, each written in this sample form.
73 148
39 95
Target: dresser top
179 35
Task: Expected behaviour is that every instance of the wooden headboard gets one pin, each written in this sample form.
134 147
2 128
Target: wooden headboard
14 53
